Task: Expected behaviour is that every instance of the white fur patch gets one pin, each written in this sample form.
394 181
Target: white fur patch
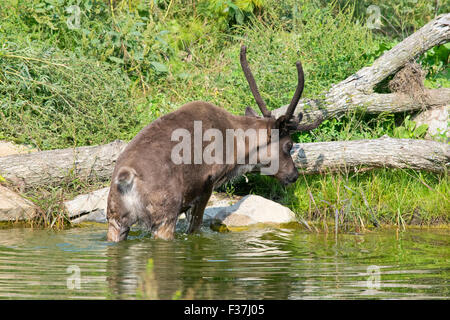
133 204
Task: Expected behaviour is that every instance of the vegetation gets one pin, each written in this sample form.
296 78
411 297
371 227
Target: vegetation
85 72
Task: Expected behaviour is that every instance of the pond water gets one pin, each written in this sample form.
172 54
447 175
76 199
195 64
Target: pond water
261 263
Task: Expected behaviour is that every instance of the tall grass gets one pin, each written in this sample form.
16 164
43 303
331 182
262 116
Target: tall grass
55 100
362 200
398 18
114 74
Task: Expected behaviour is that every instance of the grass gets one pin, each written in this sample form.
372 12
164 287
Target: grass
361 200
55 100
128 64
49 200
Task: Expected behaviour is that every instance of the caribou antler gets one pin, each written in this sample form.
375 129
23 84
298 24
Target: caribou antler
298 92
251 81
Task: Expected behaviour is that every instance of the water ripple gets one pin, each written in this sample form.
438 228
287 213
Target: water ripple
254 264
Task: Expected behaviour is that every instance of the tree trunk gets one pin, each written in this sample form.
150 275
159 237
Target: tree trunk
53 166
320 157
356 91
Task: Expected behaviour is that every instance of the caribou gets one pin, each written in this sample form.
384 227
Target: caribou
153 183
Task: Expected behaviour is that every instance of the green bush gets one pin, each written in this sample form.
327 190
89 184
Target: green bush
399 18
53 99
157 55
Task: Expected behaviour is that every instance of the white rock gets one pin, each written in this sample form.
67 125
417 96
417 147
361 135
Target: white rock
88 207
13 207
249 210
437 120
254 209
216 203
92 206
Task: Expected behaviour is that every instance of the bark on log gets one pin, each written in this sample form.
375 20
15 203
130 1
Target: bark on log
53 166
320 157
357 90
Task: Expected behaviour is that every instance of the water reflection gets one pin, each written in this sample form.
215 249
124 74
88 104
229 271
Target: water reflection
260 263
199 267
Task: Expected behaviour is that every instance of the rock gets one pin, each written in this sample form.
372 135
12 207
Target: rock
437 120
235 220
217 203
92 206
9 148
13 207
221 209
253 210
88 207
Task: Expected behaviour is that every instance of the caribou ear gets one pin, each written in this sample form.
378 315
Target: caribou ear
249 112
280 123
287 126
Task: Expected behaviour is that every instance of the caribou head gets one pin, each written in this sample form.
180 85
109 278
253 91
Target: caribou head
286 124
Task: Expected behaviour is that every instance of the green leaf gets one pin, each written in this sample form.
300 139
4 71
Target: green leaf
159 67
409 124
177 295
116 60
239 17
442 53
420 130
183 75
400 132
2 179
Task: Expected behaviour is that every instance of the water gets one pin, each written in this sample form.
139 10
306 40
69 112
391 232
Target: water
254 264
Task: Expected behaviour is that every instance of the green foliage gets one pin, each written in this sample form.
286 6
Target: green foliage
273 49
441 135
384 45
410 130
399 18
435 61
54 100
229 12
437 58
131 38
354 126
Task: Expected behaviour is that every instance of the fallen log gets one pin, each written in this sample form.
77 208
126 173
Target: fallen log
319 157
53 166
357 91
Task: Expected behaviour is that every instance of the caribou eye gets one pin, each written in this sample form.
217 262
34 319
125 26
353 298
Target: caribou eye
288 147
